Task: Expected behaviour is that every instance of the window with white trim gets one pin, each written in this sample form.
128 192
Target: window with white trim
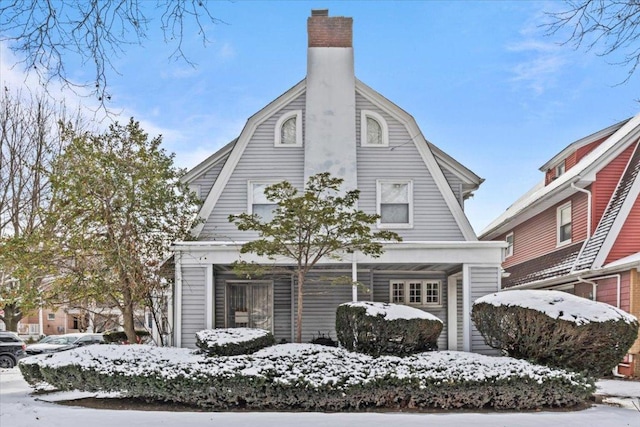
508 251
258 203
288 130
395 203
373 130
51 316
564 224
415 292
560 169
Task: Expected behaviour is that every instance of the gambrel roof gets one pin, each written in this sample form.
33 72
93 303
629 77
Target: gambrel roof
435 159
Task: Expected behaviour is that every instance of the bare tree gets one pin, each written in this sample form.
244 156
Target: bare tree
29 142
50 34
607 27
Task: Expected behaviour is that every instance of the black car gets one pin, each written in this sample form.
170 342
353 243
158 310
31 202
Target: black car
12 349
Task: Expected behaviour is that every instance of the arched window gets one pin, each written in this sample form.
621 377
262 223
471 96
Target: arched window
373 130
288 131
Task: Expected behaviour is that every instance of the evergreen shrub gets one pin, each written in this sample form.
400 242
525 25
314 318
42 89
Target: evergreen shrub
372 328
593 347
233 341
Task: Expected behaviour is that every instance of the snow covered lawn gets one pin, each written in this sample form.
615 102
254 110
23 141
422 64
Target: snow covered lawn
18 408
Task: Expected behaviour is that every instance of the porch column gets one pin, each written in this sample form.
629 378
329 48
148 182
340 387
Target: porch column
208 297
466 308
177 302
452 312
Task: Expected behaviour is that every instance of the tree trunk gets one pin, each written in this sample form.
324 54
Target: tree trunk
127 314
299 314
12 315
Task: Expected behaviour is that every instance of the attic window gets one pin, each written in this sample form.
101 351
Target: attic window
395 204
560 169
288 130
373 130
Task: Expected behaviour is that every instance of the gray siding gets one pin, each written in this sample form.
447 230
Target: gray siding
460 315
381 294
484 280
455 184
205 182
193 304
432 219
260 161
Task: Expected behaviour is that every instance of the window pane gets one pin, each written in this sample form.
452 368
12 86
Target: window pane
565 216
264 211
565 232
415 293
288 131
258 193
397 293
394 193
432 293
394 213
374 132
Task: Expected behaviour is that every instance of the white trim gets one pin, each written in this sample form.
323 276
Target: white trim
238 150
409 184
427 156
384 128
250 184
208 297
278 133
559 224
466 308
204 166
452 313
508 253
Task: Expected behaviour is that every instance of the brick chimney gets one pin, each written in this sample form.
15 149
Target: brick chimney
330 112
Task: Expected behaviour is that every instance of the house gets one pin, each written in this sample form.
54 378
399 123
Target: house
578 230
331 121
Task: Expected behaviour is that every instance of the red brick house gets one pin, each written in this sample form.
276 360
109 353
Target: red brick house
578 230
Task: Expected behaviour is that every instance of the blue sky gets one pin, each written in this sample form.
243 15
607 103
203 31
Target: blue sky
481 79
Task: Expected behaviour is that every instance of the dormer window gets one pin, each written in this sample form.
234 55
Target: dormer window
373 130
288 131
560 169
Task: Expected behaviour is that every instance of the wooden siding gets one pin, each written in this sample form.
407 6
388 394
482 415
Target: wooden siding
607 181
628 241
432 219
607 291
484 280
205 182
261 160
538 236
193 304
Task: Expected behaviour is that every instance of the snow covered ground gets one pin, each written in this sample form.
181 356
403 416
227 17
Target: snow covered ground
19 409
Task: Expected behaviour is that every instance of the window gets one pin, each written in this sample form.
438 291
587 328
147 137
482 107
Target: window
288 131
258 203
508 251
564 224
395 204
51 316
415 292
373 130
249 305
560 169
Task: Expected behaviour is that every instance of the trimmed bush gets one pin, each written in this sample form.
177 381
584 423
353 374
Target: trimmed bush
120 337
386 329
556 329
311 378
233 341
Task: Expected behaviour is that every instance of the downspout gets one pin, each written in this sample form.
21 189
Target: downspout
588 193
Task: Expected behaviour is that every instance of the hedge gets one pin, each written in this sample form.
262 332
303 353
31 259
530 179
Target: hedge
233 341
310 378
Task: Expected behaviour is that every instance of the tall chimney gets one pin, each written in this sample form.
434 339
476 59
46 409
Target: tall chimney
330 114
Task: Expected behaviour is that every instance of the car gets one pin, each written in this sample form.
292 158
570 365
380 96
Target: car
56 343
12 349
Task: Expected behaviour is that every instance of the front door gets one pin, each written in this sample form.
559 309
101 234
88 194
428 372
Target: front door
250 305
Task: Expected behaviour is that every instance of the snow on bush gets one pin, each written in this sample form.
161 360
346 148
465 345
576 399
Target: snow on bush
377 328
233 341
556 329
309 377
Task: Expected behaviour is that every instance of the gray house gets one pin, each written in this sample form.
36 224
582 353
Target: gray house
331 121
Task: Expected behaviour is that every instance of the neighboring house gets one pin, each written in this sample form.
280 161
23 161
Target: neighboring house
331 121
579 229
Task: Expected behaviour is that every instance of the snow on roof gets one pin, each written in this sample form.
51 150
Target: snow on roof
558 305
392 311
229 336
